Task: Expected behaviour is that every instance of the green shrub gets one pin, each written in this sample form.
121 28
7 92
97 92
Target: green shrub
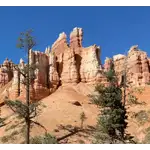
46 139
147 136
11 127
5 139
148 83
142 116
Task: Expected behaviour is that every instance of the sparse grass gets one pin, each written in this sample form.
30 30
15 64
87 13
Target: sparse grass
136 140
11 137
36 140
142 117
16 121
14 133
46 139
17 124
81 142
147 139
5 139
2 121
148 83
23 142
147 136
11 127
132 99
148 129
44 106
18 117
23 126
148 111
22 130
69 126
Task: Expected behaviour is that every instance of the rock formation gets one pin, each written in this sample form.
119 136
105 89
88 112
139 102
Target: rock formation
91 69
136 64
62 65
107 64
6 72
69 64
53 74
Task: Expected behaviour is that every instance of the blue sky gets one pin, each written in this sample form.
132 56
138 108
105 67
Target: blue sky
115 29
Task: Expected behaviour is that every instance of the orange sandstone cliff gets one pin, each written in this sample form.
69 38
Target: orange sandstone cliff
136 64
68 64
62 65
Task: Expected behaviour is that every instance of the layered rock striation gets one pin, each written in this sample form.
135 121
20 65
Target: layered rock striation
135 64
62 65
68 64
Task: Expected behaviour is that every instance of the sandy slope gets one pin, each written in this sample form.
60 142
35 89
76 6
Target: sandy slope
59 110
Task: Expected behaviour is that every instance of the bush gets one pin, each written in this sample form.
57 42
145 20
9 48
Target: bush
11 127
46 139
148 83
132 99
147 136
5 139
11 137
2 122
142 116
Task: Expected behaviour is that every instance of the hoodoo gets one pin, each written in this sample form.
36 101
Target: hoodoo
67 64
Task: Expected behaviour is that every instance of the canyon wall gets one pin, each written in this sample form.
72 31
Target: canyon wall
136 64
61 65
67 64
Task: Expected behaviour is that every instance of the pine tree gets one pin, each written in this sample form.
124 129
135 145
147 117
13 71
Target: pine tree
25 110
111 123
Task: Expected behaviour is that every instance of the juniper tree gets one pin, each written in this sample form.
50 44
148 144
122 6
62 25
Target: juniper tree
111 123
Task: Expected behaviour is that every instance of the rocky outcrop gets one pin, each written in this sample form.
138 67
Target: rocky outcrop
6 72
119 65
69 73
62 65
53 74
91 69
60 44
75 63
68 64
76 37
107 64
138 65
135 64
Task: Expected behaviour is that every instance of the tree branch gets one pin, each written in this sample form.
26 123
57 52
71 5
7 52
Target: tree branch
37 123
